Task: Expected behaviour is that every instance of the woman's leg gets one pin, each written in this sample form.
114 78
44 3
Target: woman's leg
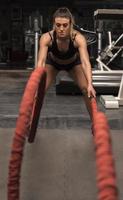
80 79
51 75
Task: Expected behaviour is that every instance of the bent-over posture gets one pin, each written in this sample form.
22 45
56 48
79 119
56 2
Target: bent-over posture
64 48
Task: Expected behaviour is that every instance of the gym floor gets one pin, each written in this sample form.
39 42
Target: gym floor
60 164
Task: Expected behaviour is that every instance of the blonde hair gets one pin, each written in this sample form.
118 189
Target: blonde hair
65 13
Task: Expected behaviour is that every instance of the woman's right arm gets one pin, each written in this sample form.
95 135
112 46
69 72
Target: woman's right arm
43 49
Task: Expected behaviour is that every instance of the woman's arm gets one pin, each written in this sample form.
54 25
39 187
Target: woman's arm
43 49
84 56
86 65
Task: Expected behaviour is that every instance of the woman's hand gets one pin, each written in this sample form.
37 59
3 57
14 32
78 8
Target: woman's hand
91 91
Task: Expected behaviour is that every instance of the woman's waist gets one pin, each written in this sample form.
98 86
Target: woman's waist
63 61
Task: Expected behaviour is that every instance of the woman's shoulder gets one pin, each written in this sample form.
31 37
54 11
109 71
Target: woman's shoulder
46 37
79 38
47 34
76 34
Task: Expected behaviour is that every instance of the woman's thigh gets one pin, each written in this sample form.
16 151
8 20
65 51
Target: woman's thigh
78 75
51 75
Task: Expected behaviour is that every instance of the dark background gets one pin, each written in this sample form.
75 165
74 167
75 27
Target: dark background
14 23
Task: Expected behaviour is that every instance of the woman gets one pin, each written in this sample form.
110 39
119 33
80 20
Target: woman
63 48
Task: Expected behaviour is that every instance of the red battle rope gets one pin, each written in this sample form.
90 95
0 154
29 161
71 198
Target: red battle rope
106 176
24 126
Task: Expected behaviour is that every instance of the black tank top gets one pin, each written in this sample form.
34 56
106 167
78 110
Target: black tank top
61 54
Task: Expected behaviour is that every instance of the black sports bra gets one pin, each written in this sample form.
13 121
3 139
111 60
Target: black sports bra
61 54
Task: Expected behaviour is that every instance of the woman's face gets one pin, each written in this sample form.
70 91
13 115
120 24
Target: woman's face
62 27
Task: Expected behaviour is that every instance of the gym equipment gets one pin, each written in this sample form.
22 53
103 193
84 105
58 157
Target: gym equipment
36 33
107 55
108 14
30 107
106 173
105 14
37 105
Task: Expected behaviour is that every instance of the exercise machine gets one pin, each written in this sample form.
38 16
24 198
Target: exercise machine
111 78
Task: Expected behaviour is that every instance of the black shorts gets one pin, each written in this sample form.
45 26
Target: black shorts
60 67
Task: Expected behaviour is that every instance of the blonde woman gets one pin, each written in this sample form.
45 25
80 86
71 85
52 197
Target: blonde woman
64 48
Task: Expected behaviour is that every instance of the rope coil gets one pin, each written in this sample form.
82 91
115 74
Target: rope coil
22 131
106 175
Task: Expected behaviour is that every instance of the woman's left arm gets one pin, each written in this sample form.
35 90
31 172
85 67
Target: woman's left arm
86 65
